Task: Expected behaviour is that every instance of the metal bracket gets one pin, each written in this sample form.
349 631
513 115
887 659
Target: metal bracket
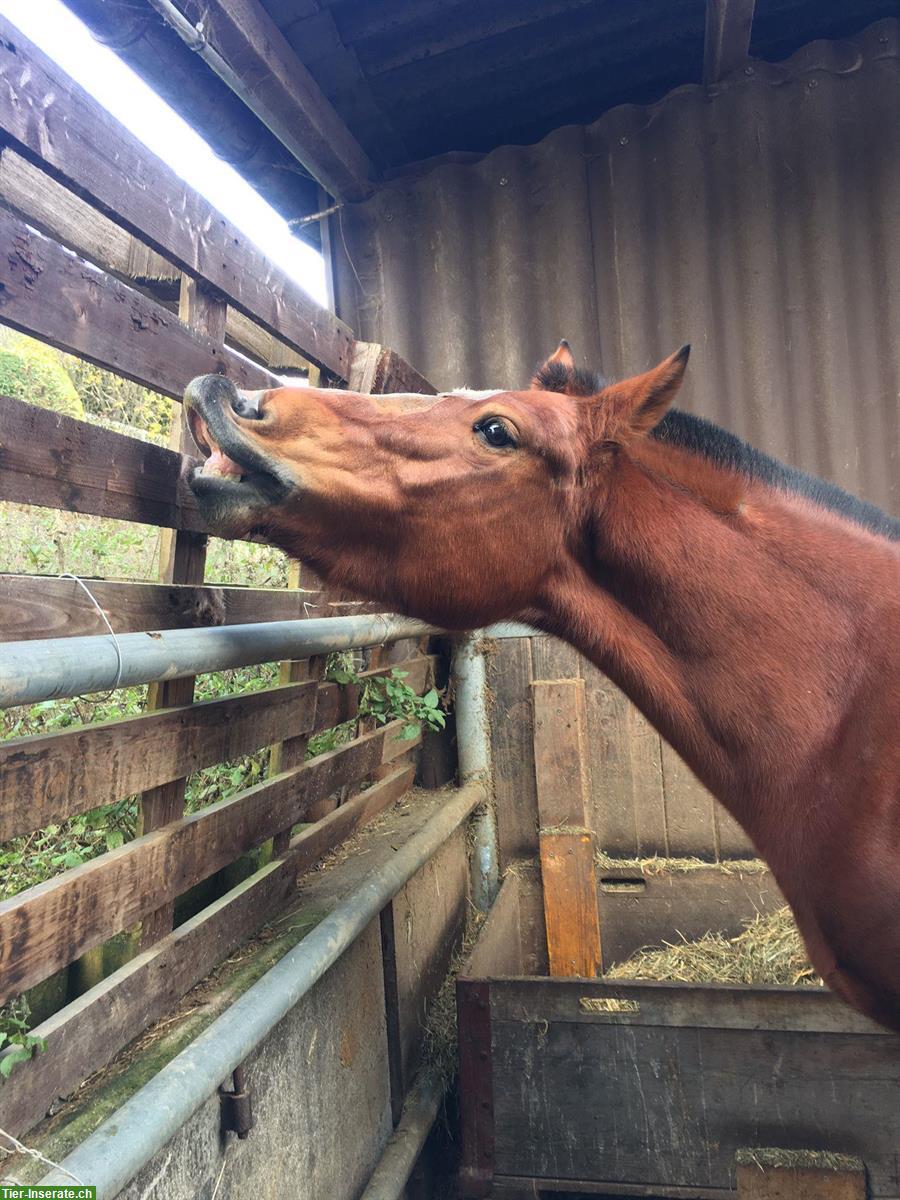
237 1112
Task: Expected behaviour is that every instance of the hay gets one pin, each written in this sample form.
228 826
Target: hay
440 1049
769 950
657 865
797 1160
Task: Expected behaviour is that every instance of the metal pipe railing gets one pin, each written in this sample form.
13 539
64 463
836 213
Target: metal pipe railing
420 1108
51 668
473 740
146 1122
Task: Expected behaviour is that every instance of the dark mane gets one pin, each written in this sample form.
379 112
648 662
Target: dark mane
703 437
700 436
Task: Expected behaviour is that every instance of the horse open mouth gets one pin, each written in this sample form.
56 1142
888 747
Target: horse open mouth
237 477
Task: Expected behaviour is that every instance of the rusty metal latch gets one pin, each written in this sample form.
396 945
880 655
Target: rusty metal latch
237 1113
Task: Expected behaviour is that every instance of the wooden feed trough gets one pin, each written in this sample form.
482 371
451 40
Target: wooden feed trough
580 1085
652 1089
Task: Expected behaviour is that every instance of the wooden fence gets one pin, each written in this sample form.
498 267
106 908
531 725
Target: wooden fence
106 254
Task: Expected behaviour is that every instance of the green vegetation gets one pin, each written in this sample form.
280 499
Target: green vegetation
15 1039
32 372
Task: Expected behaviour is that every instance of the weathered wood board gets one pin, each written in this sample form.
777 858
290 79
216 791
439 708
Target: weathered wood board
55 461
48 292
52 121
666 1095
41 606
643 800
52 923
89 1032
589 1086
566 845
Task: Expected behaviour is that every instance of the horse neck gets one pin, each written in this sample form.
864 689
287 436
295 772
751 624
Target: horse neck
734 634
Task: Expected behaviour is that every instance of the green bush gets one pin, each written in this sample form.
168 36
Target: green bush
33 373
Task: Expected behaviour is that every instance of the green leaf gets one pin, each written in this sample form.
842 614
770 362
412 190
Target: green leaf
12 1058
408 732
431 699
114 839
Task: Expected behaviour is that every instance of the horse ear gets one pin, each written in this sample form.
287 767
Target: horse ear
641 402
553 374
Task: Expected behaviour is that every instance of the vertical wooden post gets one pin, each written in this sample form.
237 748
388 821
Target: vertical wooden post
292 751
566 844
182 560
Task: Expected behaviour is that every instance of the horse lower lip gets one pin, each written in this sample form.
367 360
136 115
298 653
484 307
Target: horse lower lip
219 463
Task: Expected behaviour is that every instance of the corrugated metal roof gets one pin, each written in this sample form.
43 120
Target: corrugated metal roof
418 78
760 224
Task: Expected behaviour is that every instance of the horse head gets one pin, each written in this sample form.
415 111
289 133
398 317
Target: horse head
460 509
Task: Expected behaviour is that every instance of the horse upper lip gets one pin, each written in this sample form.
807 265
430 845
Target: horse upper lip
209 402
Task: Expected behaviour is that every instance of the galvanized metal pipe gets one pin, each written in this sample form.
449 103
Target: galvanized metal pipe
420 1108
473 742
51 668
145 1123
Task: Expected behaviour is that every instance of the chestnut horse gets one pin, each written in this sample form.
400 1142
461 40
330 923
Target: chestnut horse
750 612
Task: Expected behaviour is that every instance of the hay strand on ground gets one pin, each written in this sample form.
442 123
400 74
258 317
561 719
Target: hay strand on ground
656 865
769 950
440 1050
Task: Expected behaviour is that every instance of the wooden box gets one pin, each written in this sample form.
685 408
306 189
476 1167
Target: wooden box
651 1089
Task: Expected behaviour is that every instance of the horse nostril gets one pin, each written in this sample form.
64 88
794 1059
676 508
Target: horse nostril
246 407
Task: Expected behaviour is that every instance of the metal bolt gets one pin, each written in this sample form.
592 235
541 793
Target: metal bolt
623 141
749 71
503 181
389 216
812 83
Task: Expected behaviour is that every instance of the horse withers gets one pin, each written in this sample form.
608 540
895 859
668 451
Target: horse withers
751 612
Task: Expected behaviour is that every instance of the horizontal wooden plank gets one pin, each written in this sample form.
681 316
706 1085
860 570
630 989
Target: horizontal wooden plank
286 95
50 925
87 1034
55 461
52 294
51 208
46 778
54 122
41 606
685 1005
659 1104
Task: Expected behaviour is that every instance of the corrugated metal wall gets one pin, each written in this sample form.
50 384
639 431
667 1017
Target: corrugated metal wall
760 223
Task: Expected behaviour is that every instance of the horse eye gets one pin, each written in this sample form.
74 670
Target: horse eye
495 433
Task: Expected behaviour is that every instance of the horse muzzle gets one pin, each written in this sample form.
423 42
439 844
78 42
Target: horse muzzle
238 480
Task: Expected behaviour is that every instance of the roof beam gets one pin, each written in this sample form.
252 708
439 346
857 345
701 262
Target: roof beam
727 42
243 45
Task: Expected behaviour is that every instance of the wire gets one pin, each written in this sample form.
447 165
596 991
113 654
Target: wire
21 1148
112 633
